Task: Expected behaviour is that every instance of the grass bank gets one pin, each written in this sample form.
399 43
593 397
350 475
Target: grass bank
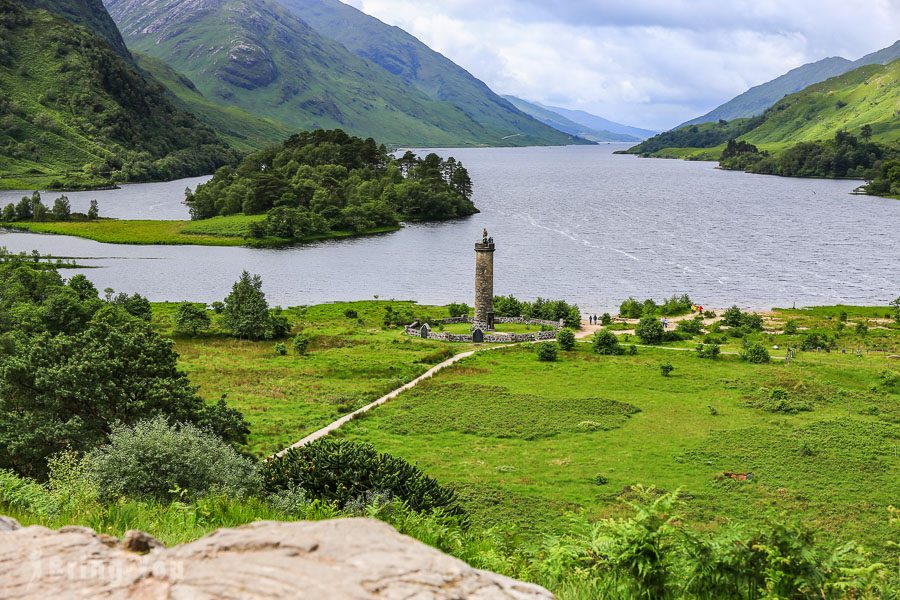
219 231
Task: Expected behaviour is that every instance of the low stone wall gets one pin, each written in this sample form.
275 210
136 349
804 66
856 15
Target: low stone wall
490 337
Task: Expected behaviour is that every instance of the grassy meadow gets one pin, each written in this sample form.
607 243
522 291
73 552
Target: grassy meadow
352 360
232 230
526 442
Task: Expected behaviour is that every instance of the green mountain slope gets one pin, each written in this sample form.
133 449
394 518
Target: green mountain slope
599 123
258 56
757 99
405 56
867 96
74 112
242 130
557 121
90 14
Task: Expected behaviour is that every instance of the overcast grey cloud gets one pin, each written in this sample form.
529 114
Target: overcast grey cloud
649 63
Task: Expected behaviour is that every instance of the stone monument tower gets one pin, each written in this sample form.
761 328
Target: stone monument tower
484 283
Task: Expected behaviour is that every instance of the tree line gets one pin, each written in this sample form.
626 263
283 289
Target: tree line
33 209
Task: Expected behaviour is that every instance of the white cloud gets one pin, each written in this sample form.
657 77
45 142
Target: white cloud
651 63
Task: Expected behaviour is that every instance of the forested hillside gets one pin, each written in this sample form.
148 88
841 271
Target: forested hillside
74 113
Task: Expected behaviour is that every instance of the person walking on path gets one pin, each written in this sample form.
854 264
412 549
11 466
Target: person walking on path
665 323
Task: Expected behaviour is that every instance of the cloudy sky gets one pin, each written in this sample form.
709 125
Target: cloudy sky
648 63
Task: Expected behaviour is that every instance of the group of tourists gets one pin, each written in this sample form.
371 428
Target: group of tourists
594 320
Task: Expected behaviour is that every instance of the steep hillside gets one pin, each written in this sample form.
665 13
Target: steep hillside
557 121
599 123
868 95
405 56
757 99
90 14
258 56
242 130
73 113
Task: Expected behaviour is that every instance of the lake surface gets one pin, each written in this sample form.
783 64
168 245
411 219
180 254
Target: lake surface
569 222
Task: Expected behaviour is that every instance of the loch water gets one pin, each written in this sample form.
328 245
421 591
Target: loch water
577 222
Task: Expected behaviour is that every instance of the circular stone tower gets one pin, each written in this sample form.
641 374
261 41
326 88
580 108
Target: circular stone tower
484 283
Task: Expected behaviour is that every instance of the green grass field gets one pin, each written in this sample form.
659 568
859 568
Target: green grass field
232 230
351 362
525 442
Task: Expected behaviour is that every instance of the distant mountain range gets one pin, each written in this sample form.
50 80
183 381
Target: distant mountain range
260 56
580 123
757 99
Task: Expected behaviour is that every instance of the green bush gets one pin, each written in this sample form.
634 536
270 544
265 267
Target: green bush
155 460
605 342
546 352
733 317
605 319
816 339
666 369
191 319
710 351
632 350
280 349
690 326
755 353
566 339
459 310
631 309
351 314
342 471
301 344
650 330
790 328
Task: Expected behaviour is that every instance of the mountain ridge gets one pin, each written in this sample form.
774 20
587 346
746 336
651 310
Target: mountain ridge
403 55
760 97
259 56
558 121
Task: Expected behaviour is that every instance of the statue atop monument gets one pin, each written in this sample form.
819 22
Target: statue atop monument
484 236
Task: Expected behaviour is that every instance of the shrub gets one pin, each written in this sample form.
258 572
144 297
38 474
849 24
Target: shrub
666 369
815 340
301 344
190 319
601 480
246 310
631 309
546 352
710 351
790 328
280 349
605 342
605 319
342 471
458 310
632 350
566 339
733 317
156 460
755 353
218 307
691 326
650 330
862 330
752 321
351 314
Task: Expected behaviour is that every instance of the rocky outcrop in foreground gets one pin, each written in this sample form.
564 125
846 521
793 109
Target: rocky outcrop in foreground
341 559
